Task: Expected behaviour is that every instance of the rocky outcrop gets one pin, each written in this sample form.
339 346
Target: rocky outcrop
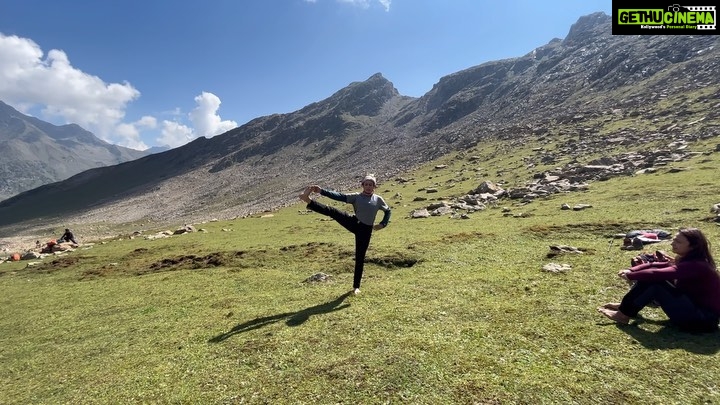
569 178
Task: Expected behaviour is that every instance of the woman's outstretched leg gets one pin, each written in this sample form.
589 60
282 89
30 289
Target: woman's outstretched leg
348 221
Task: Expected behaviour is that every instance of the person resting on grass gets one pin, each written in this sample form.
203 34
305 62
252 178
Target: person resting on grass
366 205
687 288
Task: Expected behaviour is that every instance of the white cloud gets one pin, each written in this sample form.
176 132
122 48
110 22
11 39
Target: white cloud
366 3
147 122
52 86
205 119
60 90
175 134
360 3
205 122
130 134
174 112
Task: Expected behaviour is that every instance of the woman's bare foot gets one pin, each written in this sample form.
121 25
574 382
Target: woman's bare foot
305 196
612 305
616 316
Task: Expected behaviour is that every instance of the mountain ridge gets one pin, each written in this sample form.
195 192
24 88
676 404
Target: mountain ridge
578 86
36 152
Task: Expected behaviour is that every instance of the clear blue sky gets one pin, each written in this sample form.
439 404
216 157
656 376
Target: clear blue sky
142 73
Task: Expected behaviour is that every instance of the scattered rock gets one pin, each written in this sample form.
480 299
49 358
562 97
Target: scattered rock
556 268
318 278
563 249
421 213
648 170
184 229
715 209
159 235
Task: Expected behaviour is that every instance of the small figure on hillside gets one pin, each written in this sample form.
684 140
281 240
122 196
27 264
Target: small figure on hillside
686 287
67 237
365 204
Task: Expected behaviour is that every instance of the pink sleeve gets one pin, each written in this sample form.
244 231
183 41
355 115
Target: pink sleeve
654 273
645 266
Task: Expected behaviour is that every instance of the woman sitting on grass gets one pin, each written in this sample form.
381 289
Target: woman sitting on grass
687 288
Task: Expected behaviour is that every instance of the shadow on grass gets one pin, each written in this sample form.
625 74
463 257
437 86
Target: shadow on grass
669 337
291 318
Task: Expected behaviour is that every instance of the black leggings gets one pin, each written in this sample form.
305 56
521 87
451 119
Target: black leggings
351 223
681 310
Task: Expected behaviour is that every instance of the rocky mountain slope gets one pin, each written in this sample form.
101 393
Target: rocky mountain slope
583 90
35 152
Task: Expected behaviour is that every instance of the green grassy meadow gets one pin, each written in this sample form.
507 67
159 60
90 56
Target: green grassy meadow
451 310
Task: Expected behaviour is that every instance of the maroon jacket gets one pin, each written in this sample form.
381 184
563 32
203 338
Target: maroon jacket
696 278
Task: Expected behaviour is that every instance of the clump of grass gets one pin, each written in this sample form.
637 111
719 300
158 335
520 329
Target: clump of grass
451 311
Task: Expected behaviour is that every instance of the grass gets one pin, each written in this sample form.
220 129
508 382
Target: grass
452 311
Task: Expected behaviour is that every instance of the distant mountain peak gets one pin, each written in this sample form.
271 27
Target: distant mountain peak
364 98
587 27
378 80
36 152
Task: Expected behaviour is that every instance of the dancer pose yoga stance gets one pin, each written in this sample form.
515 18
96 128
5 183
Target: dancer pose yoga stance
366 205
687 288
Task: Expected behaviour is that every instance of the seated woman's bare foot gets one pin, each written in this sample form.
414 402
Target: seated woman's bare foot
612 305
305 196
616 316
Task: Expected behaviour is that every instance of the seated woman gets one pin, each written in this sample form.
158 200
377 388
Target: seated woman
686 288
